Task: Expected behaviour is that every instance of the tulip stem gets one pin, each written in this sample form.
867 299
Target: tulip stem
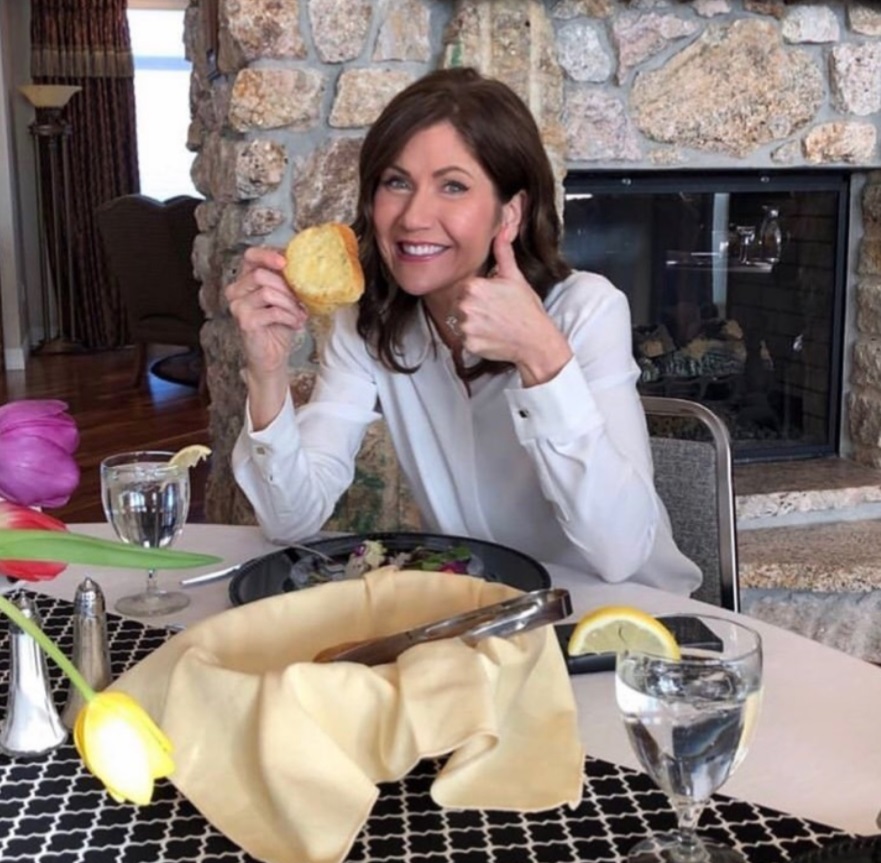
48 646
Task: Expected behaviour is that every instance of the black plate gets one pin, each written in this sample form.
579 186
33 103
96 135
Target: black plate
271 574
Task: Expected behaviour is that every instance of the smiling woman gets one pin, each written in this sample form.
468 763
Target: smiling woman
520 422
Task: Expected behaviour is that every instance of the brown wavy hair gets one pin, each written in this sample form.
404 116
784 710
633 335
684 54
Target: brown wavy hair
501 133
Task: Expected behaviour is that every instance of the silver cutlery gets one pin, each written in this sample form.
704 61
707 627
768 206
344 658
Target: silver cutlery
329 566
503 619
208 577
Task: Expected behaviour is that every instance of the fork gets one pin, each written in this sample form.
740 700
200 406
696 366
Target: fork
329 566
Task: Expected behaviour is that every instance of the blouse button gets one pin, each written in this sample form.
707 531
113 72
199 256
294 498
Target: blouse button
523 413
260 450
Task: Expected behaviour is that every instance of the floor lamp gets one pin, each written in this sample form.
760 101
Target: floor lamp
51 136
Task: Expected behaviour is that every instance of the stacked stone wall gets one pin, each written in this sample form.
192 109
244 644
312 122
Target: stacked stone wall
864 398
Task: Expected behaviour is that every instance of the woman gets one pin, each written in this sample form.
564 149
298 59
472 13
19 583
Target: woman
506 379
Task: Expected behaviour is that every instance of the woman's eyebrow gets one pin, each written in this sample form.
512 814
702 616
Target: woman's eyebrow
440 172
451 169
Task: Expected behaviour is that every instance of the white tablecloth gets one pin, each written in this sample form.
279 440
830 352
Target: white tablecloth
817 749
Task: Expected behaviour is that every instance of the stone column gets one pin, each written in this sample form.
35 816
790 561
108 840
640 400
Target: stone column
864 399
275 154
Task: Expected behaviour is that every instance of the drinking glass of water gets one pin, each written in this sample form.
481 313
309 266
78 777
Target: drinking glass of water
690 722
146 500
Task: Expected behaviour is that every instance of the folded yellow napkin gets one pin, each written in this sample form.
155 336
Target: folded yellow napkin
282 754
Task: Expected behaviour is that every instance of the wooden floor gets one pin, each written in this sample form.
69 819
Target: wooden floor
113 417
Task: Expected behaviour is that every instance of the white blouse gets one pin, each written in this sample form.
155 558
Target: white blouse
560 471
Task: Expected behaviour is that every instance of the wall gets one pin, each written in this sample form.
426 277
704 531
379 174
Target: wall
284 90
19 246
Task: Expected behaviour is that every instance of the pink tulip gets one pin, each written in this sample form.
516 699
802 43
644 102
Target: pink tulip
37 441
17 517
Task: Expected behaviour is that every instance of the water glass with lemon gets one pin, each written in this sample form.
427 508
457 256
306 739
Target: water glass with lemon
689 712
146 499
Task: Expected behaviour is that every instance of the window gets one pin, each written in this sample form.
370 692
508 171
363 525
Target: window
162 97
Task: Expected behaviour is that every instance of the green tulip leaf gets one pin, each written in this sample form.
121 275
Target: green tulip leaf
65 547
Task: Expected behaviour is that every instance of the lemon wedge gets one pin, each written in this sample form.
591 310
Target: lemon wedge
614 628
191 455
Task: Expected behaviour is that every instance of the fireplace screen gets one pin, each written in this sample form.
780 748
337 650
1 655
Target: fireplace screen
736 288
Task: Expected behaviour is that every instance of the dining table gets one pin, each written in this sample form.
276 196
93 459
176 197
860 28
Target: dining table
812 775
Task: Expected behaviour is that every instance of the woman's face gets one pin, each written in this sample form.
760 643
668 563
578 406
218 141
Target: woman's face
435 213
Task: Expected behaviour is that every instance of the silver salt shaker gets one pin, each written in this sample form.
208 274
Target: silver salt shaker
91 651
31 726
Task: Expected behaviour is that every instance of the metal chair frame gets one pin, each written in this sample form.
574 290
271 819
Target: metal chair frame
727 595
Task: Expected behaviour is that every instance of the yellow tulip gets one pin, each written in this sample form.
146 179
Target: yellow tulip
122 746
116 738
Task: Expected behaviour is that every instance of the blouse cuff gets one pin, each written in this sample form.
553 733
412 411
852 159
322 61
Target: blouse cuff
273 440
559 409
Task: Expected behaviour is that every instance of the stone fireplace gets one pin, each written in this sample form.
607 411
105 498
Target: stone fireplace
283 91
736 284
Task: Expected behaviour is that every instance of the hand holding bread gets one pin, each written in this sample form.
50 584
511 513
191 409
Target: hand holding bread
322 268
273 296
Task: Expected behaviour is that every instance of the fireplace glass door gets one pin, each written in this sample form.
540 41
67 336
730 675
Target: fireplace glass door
736 288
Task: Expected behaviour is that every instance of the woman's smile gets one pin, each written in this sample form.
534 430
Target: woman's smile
422 251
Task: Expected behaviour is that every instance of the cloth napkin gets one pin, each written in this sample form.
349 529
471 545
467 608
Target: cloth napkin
283 754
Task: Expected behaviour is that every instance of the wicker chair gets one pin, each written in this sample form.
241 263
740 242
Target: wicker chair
148 246
692 459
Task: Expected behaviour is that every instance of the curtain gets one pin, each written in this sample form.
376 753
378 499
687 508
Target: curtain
86 43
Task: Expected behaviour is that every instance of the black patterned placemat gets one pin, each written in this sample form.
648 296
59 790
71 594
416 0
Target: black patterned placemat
53 811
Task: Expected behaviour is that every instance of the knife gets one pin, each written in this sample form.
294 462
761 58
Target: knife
206 577
503 619
325 564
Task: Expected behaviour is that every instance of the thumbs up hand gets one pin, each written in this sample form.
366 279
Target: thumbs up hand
502 318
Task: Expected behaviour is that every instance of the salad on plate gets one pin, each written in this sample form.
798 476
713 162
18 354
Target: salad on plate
373 554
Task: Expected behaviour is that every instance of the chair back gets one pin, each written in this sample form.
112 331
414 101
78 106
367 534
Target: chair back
148 246
693 478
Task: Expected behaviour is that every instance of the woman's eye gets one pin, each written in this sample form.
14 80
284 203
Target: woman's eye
395 181
455 186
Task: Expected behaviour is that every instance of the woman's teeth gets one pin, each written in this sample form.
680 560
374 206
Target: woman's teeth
421 250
